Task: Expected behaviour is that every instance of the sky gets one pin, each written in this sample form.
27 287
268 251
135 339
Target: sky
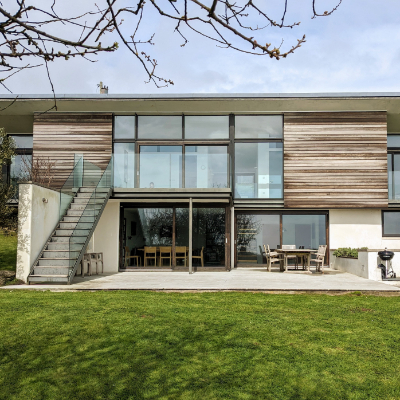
356 49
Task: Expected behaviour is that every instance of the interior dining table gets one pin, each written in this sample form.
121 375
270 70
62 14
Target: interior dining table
296 252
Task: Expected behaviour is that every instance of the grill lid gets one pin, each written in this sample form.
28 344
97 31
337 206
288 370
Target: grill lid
385 255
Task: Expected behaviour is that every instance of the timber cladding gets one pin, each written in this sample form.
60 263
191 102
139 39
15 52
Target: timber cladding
335 160
59 136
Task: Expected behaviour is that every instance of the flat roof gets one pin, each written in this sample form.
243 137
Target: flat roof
200 95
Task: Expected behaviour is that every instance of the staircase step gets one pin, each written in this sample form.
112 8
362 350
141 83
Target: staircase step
56 262
48 278
49 270
79 225
56 253
76 218
68 232
67 239
79 206
97 194
86 189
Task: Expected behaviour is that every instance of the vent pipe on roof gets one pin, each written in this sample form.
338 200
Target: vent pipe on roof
103 89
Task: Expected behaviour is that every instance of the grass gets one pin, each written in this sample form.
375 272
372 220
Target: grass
147 345
8 251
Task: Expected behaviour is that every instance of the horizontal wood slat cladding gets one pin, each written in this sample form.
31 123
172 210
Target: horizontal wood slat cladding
59 136
335 160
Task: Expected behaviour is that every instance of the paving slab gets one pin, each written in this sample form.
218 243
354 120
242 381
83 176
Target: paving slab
237 279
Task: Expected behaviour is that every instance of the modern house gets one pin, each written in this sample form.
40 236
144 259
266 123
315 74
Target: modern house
204 181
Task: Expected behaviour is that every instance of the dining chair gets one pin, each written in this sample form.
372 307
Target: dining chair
291 257
128 257
180 254
150 253
320 258
272 257
200 257
165 254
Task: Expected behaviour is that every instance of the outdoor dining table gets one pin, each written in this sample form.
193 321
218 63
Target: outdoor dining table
297 252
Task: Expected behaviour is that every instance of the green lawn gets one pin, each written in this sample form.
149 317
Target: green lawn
143 345
8 252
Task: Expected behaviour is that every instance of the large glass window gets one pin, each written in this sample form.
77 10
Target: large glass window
160 127
21 163
124 165
160 166
394 176
258 126
391 223
23 141
124 127
304 230
254 231
206 167
207 127
393 141
258 170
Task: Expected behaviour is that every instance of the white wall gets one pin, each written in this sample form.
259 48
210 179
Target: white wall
36 221
106 236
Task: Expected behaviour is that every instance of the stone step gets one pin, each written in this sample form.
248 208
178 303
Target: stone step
68 232
68 239
81 207
79 225
86 189
52 270
56 253
88 200
65 246
56 262
87 195
48 278
77 218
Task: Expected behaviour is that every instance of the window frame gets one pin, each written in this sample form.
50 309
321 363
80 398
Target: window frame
389 235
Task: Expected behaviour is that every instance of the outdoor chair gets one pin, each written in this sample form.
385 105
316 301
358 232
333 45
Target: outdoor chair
319 260
165 254
150 253
200 257
99 259
272 257
128 257
291 257
180 254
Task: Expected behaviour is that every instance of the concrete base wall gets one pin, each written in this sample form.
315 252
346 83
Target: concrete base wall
36 221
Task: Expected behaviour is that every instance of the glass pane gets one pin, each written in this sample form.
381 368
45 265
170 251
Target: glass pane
396 177
258 126
206 166
304 230
258 170
20 167
390 176
393 141
160 166
207 127
124 165
23 141
160 127
391 223
142 229
254 231
208 237
124 127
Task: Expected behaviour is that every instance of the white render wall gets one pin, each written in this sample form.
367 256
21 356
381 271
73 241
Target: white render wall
36 221
105 238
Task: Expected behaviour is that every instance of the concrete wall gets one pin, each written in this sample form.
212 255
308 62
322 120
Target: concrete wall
36 221
106 236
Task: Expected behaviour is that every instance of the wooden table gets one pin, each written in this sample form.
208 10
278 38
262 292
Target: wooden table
297 252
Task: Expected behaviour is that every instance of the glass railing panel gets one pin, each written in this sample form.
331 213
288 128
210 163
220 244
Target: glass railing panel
91 174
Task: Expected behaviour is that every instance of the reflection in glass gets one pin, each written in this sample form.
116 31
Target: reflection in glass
391 223
207 127
23 141
206 166
254 231
160 127
393 141
258 126
182 227
390 176
124 165
396 177
304 230
209 236
258 170
19 168
160 166
124 127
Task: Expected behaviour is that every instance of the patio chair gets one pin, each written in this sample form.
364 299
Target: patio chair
128 257
180 254
165 254
291 257
200 257
320 257
272 257
150 253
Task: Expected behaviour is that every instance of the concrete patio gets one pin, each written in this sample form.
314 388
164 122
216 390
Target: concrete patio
237 279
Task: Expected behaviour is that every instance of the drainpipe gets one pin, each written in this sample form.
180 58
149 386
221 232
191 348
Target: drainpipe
190 235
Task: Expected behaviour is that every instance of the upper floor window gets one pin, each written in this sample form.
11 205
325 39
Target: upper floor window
207 127
393 166
124 127
258 126
159 127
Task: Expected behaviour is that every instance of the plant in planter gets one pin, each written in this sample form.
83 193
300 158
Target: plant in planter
348 252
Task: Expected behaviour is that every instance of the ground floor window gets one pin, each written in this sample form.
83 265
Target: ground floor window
159 236
391 223
276 229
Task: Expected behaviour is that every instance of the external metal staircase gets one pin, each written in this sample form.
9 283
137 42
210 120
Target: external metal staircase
81 208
